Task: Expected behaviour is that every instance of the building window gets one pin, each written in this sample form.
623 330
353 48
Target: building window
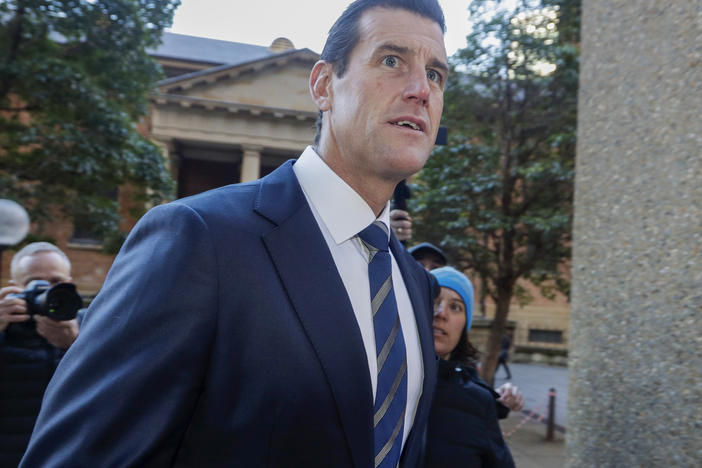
199 175
546 336
203 167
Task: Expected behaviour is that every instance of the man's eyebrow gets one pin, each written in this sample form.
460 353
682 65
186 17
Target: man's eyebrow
390 47
435 63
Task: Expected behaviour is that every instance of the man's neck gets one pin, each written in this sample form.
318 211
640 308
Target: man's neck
375 191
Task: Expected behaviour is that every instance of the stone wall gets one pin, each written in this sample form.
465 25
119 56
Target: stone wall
636 316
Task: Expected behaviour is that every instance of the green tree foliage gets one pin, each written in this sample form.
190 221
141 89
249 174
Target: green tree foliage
74 81
498 198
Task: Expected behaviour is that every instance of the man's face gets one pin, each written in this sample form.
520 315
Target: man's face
47 266
384 112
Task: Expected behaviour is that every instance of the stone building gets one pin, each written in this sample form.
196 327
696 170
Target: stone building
230 112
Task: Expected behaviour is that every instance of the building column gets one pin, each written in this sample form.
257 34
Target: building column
636 319
169 155
251 163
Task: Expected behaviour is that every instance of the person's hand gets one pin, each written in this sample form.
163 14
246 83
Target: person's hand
60 334
511 397
401 223
12 309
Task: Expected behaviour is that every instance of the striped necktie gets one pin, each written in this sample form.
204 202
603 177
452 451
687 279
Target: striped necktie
391 391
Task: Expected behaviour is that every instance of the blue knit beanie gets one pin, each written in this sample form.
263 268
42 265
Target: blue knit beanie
449 277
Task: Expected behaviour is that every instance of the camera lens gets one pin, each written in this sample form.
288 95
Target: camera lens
62 302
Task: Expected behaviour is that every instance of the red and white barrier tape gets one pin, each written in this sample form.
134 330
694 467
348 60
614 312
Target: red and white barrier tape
540 417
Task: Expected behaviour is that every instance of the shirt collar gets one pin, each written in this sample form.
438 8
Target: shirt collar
342 210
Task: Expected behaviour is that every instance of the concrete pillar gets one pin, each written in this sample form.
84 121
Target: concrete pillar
635 396
251 163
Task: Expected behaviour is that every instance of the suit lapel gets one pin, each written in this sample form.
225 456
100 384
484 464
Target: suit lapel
416 282
307 270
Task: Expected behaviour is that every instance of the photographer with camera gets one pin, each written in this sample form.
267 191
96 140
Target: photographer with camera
37 325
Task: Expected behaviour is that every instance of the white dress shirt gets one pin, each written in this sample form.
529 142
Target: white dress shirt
341 214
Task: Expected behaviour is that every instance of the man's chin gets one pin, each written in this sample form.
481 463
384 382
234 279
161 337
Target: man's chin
411 162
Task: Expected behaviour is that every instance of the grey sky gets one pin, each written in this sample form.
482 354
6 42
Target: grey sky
304 22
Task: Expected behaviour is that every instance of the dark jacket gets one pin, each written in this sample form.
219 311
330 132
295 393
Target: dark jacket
224 337
27 363
463 428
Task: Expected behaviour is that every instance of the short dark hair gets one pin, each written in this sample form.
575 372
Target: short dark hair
343 35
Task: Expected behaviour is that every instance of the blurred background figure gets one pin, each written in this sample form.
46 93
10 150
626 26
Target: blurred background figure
429 255
401 223
463 424
504 355
31 344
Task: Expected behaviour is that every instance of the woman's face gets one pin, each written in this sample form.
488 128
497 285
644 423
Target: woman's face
449 321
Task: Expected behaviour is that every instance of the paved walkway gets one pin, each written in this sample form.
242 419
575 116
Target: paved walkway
535 381
528 443
525 436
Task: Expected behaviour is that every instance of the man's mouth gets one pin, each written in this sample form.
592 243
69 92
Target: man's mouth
408 124
439 331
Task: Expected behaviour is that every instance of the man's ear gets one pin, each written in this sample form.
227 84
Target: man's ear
320 84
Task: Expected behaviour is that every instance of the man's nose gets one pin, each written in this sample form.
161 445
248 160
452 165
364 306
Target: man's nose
417 87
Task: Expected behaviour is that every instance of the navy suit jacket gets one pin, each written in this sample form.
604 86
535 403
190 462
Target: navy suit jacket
224 336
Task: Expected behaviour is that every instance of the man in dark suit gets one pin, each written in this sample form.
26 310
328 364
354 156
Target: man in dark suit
241 327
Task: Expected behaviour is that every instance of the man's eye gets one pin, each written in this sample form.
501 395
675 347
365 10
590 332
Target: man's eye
390 61
433 75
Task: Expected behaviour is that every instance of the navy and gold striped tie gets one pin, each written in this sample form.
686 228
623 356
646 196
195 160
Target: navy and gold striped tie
391 391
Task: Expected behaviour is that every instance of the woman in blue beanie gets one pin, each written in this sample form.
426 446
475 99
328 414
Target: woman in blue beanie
463 426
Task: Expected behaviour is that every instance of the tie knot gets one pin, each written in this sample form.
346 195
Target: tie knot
375 236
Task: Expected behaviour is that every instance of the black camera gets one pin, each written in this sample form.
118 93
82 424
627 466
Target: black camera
59 302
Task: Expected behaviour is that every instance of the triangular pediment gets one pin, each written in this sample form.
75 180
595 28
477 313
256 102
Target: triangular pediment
278 82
